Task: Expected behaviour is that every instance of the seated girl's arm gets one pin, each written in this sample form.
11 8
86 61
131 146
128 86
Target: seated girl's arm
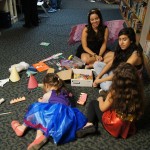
45 97
105 105
84 42
134 59
104 45
98 81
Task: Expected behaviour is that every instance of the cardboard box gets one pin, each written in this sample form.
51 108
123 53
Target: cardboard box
82 77
65 74
78 77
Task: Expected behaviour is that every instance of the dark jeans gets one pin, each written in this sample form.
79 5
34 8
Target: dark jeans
94 114
53 4
30 11
58 4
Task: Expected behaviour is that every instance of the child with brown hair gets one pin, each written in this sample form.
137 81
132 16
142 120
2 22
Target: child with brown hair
51 115
122 106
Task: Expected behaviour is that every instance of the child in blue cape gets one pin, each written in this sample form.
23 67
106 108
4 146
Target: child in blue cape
52 116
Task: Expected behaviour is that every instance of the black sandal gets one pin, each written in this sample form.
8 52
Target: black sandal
85 131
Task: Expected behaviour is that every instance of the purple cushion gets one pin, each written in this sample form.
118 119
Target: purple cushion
114 26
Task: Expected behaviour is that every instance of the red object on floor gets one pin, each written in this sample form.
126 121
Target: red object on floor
32 84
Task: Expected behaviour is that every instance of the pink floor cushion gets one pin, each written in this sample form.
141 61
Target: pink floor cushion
75 34
114 26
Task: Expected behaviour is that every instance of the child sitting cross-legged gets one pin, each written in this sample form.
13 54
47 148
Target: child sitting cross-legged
122 107
52 116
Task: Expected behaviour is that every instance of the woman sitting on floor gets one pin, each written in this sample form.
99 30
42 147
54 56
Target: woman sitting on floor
126 51
94 40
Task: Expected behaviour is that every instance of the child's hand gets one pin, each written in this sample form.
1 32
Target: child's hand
100 99
95 83
40 99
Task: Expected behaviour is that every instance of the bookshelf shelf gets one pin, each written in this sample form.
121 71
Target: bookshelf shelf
133 12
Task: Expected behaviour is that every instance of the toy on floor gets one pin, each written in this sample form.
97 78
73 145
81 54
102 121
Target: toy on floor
31 70
14 76
51 70
5 113
20 66
59 65
41 66
17 100
32 83
76 61
40 85
2 100
82 99
2 82
55 56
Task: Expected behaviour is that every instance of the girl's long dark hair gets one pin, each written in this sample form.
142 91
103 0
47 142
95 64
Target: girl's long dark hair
101 28
127 91
123 55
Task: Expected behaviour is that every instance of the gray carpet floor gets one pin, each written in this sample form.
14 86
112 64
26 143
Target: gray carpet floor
19 44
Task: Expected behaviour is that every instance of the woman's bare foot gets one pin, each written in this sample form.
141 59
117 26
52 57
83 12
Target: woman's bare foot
89 66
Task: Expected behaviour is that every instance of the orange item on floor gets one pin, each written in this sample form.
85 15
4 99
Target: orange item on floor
40 66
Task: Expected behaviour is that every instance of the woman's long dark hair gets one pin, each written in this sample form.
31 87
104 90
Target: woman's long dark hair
101 28
123 55
127 91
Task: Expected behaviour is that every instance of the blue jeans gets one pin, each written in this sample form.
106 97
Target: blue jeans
98 66
53 4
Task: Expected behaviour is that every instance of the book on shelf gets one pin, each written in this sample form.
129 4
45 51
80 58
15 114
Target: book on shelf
131 9
147 49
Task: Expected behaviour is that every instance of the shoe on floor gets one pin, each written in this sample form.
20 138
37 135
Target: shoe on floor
85 131
92 1
37 143
15 124
51 10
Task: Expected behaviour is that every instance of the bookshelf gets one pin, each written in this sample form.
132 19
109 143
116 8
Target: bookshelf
133 12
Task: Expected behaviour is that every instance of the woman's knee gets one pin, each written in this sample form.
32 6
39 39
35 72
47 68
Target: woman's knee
85 58
98 66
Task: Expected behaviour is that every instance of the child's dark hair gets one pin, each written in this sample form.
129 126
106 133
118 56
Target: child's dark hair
53 79
127 92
